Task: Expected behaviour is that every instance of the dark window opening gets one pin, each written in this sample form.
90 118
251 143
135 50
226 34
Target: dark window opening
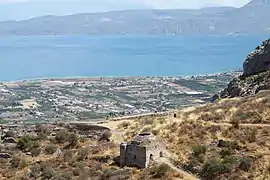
151 156
134 157
267 64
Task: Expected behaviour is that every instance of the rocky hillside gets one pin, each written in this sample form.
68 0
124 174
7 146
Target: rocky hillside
256 75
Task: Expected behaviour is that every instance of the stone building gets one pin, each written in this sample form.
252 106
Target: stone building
143 149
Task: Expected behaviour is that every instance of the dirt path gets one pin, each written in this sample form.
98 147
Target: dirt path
185 174
243 125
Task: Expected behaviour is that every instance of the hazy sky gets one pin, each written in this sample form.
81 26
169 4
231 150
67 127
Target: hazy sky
23 9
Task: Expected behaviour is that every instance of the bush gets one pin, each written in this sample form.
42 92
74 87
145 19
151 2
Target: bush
27 143
19 162
35 171
50 149
213 168
246 163
73 139
62 137
228 144
230 160
160 171
35 152
106 135
79 167
82 154
40 128
47 170
48 173
199 150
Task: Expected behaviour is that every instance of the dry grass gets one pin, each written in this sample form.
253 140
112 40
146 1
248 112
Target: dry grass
206 126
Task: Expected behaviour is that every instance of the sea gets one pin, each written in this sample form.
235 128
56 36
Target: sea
31 57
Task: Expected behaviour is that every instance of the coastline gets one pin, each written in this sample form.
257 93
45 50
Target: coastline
70 78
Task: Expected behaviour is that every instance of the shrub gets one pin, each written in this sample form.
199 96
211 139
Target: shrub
48 173
160 171
62 137
47 170
246 163
106 135
19 162
199 150
42 136
230 160
213 168
35 152
68 155
82 154
73 139
79 167
42 129
35 171
228 144
226 152
27 143
50 149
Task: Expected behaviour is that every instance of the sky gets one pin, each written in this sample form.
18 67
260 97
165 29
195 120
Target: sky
25 9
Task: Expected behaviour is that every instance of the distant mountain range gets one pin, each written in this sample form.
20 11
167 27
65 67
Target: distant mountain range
252 18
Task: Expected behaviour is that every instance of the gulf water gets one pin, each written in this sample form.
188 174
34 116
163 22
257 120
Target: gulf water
32 57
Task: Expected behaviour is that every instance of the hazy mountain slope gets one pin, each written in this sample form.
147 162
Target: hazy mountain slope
250 19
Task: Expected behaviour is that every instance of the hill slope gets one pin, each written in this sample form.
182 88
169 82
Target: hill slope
250 19
225 140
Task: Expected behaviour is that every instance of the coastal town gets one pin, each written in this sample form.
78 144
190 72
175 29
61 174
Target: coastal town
93 99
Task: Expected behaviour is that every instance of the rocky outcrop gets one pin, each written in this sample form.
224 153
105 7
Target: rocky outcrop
259 60
256 75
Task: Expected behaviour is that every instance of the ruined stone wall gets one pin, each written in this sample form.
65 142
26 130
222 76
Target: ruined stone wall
136 156
154 151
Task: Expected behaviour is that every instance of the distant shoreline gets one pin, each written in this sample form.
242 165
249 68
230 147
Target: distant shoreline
111 77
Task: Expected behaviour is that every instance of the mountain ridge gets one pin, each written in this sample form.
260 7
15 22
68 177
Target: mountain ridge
249 19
